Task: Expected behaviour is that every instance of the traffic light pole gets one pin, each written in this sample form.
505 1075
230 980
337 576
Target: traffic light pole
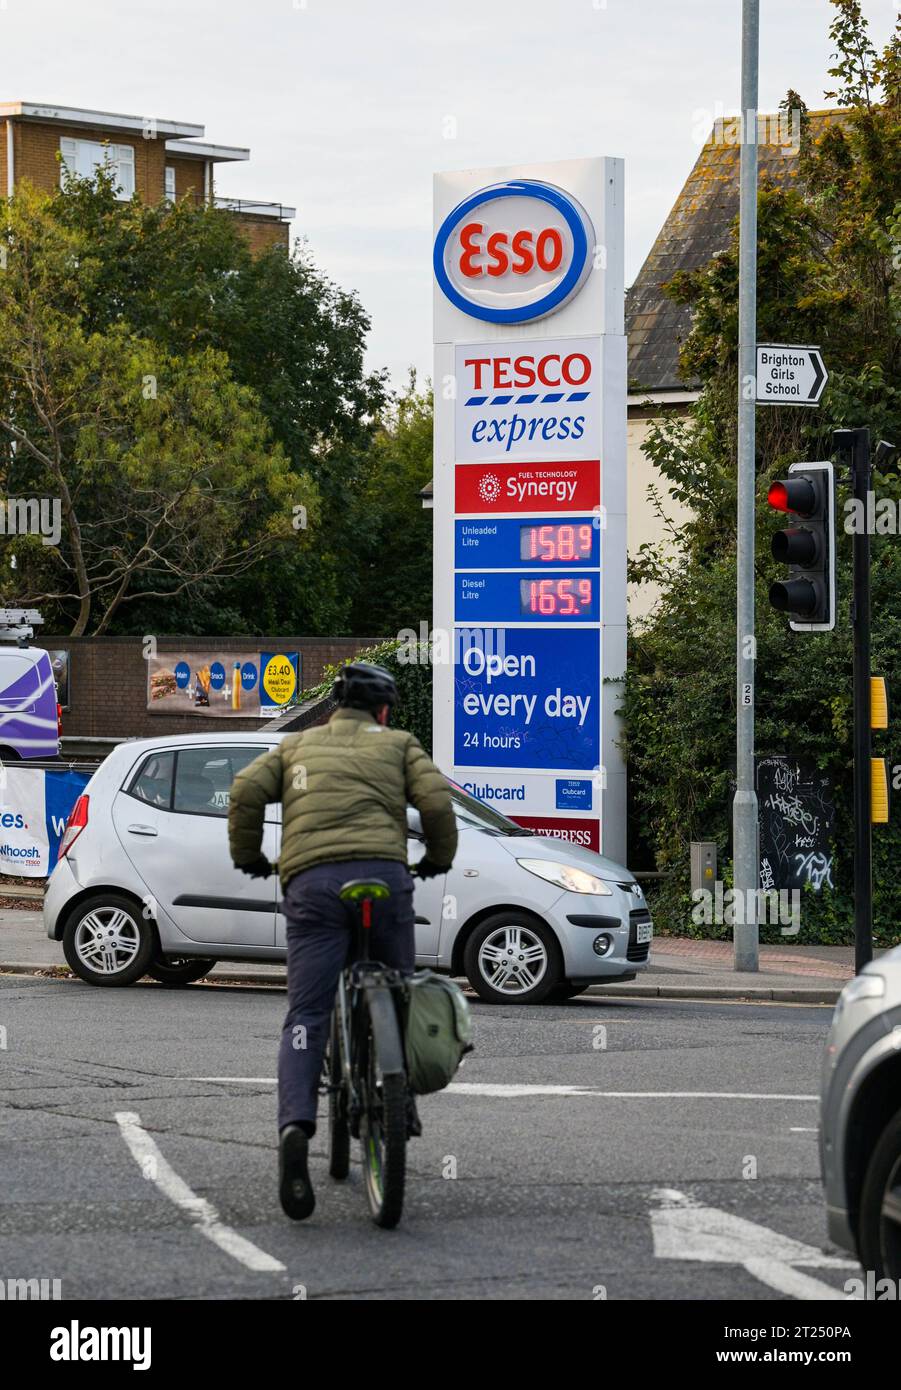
857 444
744 808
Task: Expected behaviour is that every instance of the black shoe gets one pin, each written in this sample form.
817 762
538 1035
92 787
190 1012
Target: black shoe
414 1123
294 1187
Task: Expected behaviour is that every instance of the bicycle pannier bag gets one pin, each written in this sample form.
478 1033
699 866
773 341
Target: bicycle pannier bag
438 1030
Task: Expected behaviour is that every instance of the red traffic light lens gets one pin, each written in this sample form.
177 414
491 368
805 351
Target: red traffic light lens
796 495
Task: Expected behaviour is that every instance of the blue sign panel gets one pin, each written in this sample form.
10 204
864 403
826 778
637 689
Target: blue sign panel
527 597
573 794
526 698
489 544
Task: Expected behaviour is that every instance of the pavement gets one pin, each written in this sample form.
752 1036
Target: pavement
606 1148
681 968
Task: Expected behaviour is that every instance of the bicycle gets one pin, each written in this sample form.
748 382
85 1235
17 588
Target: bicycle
365 1070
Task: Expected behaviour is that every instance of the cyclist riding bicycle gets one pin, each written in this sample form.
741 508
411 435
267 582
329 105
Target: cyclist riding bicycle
344 789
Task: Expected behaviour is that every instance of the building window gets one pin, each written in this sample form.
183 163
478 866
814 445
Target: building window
170 183
82 157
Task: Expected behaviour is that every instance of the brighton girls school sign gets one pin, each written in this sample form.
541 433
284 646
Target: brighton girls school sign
530 492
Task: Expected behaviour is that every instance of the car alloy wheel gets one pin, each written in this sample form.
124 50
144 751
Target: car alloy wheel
107 940
513 960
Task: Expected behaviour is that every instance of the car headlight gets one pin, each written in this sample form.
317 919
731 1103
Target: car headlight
566 876
861 987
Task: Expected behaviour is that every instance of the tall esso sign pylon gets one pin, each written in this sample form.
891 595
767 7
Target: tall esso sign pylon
530 493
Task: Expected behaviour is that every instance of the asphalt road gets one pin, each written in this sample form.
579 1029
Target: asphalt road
107 1140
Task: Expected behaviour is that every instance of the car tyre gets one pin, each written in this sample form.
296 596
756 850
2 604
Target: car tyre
107 940
528 949
176 971
879 1231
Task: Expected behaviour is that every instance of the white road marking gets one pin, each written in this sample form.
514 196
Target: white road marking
203 1214
512 1090
683 1229
803 1129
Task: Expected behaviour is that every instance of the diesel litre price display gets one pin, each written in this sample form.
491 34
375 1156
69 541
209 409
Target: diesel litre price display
559 543
561 598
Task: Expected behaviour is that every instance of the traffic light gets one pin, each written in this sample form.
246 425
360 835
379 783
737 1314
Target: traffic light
807 594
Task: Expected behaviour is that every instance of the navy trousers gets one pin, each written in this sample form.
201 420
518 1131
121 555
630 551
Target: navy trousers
320 938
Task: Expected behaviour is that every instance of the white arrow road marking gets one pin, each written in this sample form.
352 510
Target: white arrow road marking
512 1090
203 1214
683 1229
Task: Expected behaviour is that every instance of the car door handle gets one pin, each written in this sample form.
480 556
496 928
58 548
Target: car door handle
143 830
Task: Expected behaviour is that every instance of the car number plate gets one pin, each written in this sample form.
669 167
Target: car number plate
645 932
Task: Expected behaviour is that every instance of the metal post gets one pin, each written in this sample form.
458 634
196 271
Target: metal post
858 443
744 807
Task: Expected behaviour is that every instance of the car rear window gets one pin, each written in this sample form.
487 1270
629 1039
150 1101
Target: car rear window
153 780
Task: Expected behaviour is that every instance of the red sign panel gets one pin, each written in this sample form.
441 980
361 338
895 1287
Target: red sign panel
485 488
586 833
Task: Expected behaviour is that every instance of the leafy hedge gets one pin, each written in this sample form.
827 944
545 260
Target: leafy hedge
414 684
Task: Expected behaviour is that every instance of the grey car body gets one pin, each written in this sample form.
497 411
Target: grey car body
861 1089
156 834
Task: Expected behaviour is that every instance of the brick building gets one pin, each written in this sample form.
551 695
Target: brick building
157 159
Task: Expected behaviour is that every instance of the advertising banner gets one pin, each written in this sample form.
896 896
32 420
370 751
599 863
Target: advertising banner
34 807
245 684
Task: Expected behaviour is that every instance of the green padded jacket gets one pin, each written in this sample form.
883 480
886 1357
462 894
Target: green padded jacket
344 788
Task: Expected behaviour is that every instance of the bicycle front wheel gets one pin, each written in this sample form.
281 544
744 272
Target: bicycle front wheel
383 1130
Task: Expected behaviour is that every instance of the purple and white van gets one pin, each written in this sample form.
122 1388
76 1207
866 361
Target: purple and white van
29 712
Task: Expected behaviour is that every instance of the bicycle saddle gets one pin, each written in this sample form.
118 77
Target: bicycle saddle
357 888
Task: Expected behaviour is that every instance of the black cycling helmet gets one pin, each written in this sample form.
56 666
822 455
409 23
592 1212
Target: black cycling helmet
363 686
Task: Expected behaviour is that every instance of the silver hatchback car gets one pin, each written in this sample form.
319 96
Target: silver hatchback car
860 1122
145 886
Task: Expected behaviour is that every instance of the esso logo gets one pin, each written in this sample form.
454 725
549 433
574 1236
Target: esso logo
514 252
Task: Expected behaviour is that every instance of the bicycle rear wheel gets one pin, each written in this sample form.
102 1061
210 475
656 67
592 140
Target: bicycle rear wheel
338 1126
383 1130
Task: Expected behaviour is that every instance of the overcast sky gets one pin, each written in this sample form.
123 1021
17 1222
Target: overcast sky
349 106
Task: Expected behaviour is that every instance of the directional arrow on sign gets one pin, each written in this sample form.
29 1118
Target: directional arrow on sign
683 1229
789 375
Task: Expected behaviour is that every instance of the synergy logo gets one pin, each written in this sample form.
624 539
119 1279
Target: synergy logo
514 252
537 488
490 487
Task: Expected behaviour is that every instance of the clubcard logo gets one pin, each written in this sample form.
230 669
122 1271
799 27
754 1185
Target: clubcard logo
514 252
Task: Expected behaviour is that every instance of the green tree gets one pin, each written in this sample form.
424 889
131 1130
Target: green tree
828 273
162 464
182 278
391 532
